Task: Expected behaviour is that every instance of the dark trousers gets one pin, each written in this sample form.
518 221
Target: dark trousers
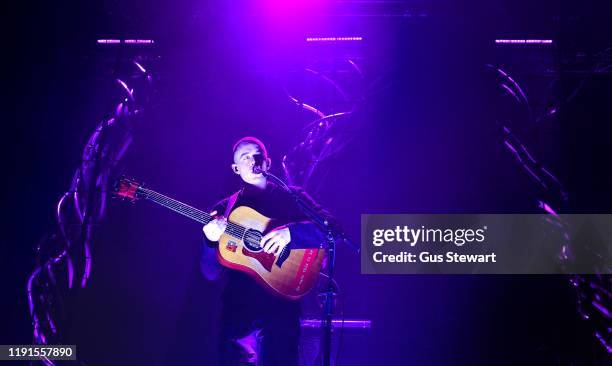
275 324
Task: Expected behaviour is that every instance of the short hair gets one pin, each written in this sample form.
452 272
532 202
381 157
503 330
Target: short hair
251 140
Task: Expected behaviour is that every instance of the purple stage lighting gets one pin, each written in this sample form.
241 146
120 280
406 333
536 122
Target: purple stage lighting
333 39
138 41
126 41
108 41
523 41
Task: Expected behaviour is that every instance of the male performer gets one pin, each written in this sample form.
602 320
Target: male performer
248 309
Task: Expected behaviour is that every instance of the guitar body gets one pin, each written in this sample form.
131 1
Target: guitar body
291 274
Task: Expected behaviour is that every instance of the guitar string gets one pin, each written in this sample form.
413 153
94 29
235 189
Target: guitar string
178 206
189 211
195 213
233 229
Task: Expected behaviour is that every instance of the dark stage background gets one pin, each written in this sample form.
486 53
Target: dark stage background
424 141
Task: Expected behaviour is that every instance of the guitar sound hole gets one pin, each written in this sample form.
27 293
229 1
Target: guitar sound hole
252 238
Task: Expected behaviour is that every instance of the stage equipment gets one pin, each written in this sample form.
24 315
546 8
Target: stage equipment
592 291
333 234
341 81
64 259
337 323
348 334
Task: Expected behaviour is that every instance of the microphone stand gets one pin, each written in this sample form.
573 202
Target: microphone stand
332 233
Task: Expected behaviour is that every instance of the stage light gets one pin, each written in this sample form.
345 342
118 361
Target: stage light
138 41
108 41
126 41
523 41
333 39
295 7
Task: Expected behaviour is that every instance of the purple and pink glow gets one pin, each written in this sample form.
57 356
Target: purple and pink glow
333 39
523 41
126 41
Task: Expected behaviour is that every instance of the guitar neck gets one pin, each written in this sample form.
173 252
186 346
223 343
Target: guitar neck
233 229
176 206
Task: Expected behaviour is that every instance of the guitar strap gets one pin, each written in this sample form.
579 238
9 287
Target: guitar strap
231 202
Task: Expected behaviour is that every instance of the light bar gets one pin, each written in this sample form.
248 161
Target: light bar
108 41
125 41
138 41
337 323
523 41
333 39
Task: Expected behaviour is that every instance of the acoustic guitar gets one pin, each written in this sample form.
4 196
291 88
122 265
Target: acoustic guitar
291 274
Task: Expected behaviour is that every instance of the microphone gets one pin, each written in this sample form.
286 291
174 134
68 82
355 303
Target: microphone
258 167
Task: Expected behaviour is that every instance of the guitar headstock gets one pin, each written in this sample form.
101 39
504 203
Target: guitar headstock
128 189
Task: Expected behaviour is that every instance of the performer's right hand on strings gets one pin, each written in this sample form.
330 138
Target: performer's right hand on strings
215 227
